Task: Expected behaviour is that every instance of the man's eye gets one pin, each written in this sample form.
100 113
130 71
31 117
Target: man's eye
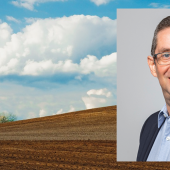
166 55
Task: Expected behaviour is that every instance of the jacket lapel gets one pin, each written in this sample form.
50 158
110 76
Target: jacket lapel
155 133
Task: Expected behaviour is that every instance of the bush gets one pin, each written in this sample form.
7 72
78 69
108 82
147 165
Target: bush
4 119
7 117
11 117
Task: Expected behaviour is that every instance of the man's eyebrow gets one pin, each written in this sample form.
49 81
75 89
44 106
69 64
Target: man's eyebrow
162 50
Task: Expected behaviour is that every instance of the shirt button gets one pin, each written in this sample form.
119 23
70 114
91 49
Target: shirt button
168 138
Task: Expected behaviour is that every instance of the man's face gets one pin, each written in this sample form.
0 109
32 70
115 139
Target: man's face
162 72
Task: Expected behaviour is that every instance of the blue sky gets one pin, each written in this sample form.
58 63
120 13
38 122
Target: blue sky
59 56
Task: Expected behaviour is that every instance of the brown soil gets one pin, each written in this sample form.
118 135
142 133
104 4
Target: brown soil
56 155
93 124
73 141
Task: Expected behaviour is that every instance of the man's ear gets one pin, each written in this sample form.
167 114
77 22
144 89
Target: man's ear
152 65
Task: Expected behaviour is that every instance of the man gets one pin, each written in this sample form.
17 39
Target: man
155 133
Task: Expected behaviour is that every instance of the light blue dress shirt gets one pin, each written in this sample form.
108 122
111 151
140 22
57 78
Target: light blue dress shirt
160 150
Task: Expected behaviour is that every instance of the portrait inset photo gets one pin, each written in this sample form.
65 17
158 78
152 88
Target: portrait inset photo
143 102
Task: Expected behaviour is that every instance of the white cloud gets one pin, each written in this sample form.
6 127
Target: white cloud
59 112
31 20
10 67
98 98
29 4
5 35
42 113
106 66
72 109
93 102
49 46
47 67
159 5
10 18
100 2
0 21
104 92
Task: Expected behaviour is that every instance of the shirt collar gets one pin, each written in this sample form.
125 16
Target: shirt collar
163 114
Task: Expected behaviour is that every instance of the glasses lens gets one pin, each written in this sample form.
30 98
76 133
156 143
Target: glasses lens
163 58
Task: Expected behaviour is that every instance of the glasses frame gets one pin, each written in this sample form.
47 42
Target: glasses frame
155 57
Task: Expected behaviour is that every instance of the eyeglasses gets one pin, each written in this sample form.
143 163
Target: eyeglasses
163 58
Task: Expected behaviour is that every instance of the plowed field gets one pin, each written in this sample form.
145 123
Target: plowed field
93 124
73 141
56 155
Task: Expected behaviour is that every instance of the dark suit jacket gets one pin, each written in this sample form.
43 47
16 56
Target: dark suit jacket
147 136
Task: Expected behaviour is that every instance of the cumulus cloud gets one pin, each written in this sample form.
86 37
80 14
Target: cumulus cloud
9 67
97 98
100 2
93 102
47 67
106 66
42 113
29 4
159 5
104 92
59 112
50 46
72 109
10 18
5 35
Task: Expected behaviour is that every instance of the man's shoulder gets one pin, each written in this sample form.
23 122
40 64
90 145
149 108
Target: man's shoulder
147 136
151 121
152 118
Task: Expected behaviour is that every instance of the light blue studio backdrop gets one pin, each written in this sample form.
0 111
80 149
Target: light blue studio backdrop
59 56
